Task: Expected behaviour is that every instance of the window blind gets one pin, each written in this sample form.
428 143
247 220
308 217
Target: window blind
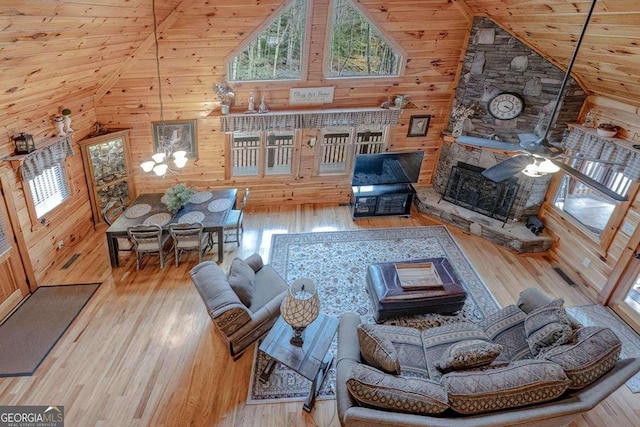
48 189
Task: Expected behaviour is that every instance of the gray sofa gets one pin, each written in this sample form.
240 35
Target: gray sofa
259 285
557 412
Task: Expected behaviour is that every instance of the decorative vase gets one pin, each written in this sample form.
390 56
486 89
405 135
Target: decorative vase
458 127
225 109
60 125
67 123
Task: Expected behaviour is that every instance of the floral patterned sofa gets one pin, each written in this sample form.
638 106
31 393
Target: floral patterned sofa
525 365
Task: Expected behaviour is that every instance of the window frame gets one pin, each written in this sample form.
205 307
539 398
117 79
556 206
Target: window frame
352 146
29 196
263 151
306 43
402 62
600 242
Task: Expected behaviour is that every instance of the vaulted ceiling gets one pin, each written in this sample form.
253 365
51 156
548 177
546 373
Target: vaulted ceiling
608 62
80 47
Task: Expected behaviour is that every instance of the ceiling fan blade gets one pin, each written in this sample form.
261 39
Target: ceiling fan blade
507 168
525 137
487 143
541 148
590 182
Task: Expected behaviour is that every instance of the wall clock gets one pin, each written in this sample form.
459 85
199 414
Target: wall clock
506 106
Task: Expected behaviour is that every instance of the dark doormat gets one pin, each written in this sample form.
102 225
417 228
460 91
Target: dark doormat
31 331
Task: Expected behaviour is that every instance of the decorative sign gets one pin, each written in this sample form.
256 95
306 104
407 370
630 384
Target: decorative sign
311 95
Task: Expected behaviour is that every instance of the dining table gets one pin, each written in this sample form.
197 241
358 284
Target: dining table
210 208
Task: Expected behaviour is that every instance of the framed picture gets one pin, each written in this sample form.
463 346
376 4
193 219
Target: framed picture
176 135
418 125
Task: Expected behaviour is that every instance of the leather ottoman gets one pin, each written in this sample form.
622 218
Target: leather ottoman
390 299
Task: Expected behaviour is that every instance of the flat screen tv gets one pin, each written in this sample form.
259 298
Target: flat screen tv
387 168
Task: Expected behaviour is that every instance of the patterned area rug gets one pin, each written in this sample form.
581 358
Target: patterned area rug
598 315
337 262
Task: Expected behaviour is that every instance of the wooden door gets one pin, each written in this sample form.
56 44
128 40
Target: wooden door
625 300
13 280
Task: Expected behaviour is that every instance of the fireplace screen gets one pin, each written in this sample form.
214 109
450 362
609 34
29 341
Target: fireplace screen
467 187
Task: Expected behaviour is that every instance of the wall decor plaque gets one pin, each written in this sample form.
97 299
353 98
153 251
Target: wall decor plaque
310 95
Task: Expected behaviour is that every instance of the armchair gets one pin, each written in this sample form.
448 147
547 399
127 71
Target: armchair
240 325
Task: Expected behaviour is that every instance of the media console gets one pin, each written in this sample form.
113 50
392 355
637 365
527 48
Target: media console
381 200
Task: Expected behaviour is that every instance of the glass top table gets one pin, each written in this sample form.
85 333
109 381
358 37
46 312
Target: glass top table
312 360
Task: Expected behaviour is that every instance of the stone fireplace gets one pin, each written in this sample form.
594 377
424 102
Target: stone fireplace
528 194
495 212
467 187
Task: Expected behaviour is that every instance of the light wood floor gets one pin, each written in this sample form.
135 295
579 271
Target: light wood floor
144 351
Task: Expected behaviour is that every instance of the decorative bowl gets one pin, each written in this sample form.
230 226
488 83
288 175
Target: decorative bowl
607 130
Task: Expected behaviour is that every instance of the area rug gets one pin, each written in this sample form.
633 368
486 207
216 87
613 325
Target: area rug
337 262
598 315
31 331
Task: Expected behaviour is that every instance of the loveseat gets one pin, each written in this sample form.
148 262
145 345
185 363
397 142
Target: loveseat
243 304
563 378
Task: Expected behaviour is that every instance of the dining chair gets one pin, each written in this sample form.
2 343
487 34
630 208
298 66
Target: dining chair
110 212
188 237
233 226
148 239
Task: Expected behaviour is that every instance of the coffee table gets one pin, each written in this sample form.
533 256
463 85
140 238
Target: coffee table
312 360
390 299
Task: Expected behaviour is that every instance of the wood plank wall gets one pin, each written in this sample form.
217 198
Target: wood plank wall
194 51
54 56
589 264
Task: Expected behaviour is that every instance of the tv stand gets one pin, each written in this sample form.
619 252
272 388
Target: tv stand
381 200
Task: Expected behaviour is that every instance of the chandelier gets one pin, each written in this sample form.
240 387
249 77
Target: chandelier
159 163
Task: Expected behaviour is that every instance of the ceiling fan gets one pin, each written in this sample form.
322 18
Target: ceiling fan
539 152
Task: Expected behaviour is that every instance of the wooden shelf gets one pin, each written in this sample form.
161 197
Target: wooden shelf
41 145
592 131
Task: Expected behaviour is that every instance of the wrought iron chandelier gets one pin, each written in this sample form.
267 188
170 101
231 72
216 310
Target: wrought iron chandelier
159 163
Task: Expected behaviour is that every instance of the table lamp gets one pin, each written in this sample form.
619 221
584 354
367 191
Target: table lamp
300 308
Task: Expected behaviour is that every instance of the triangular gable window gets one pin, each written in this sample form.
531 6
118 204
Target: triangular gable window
276 52
357 47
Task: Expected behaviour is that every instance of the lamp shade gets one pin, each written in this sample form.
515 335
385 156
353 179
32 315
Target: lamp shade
301 305
180 162
147 166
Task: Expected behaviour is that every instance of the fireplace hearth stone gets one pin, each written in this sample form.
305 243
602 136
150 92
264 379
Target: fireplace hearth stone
513 235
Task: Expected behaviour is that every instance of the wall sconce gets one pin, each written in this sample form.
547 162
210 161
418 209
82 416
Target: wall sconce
24 143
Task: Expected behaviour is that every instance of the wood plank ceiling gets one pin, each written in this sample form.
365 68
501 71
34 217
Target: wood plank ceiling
54 50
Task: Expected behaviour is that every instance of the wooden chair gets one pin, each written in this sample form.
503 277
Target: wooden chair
148 239
233 226
111 211
188 237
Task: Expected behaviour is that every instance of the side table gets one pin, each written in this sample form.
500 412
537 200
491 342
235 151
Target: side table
312 360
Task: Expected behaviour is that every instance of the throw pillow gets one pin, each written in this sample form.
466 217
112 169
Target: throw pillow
524 382
506 327
242 280
468 354
548 326
377 350
593 352
373 388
